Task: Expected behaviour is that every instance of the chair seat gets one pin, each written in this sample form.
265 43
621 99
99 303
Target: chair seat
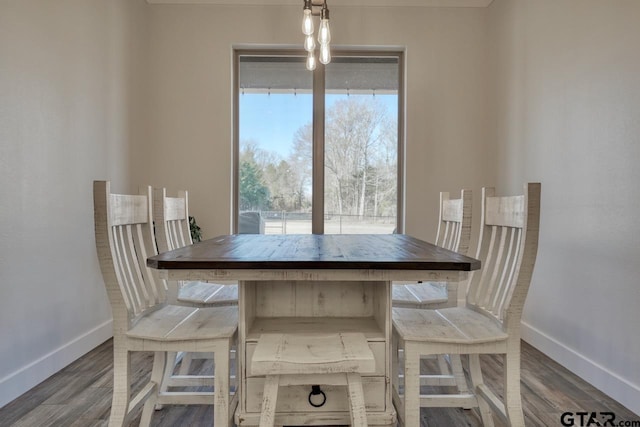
283 354
179 323
416 295
211 294
447 325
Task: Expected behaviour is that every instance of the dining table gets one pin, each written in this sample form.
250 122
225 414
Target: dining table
314 284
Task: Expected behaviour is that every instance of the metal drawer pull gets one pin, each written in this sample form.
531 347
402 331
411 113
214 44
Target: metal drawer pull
315 390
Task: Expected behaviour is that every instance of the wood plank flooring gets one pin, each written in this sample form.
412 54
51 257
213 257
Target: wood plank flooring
80 395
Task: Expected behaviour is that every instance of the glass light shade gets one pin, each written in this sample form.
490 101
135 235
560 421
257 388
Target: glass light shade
324 33
307 22
311 61
325 54
309 43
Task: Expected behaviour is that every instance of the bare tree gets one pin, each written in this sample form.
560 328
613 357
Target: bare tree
352 135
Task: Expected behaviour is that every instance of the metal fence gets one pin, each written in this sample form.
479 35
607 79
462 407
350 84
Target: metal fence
283 222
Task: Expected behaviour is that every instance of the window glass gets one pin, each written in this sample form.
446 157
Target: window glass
275 143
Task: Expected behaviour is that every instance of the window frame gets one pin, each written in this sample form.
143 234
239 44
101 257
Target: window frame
318 117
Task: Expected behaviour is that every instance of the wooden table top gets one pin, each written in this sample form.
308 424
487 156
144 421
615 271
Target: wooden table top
313 251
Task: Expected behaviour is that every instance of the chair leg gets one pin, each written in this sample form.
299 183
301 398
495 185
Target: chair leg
121 386
443 365
411 414
356 400
269 401
458 373
168 373
512 396
476 380
157 373
221 384
185 365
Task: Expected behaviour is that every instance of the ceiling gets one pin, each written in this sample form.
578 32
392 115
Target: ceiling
397 3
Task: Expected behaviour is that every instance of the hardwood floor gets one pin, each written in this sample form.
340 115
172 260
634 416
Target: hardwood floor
80 396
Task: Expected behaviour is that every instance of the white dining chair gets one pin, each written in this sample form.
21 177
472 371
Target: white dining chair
171 218
454 233
489 323
142 319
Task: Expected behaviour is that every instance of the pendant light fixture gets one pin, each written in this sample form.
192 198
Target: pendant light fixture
324 32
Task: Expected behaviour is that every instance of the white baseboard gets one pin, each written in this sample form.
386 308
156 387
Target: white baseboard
27 377
610 383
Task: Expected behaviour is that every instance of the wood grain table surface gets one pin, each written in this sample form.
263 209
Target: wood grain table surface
309 251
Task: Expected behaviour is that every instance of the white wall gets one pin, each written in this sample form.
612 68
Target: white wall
190 98
542 90
566 75
66 104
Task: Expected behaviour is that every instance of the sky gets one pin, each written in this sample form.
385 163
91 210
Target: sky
271 120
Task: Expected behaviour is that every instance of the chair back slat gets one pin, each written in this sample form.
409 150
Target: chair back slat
450 237
508 240
134 279
454 227
500 294
126 209
172 234
452 210
180 238
494 267
171 216
145 292
121 266
485 253
505 211
124 241
443 239
183 224
174 209
155 289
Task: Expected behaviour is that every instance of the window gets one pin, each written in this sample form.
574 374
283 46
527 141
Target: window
318 151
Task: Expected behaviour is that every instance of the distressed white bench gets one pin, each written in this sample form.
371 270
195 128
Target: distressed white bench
314 359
